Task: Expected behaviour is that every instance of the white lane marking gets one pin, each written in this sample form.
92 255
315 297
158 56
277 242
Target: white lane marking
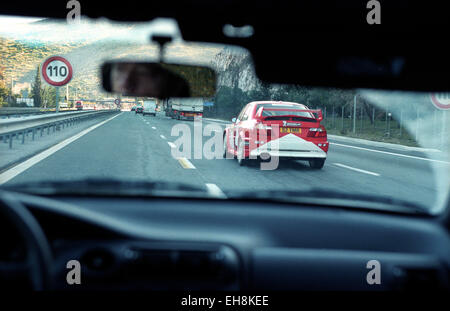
214 190
153 127
172 145
356 169
19 168
391 153
162 136
185 163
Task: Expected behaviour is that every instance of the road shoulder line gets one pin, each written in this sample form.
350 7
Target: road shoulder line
356 169
21 167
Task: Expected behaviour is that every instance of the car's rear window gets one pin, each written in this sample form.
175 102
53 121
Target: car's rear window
280 113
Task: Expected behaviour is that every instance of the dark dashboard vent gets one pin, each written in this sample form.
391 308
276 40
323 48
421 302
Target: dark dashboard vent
423 279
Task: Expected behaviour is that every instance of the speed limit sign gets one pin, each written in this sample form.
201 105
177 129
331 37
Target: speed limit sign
57 71
441 100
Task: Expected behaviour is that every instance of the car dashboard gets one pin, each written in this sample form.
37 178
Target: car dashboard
206 244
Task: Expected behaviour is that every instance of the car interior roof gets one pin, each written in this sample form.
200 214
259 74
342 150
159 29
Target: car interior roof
310 42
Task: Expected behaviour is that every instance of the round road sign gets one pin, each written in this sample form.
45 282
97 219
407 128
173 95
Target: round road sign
441 100
117 101
57 71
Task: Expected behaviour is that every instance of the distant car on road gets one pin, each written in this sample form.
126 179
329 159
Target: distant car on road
139 109
133 108
287 130
149 107
79 105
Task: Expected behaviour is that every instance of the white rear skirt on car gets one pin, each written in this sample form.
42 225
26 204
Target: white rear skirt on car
290 146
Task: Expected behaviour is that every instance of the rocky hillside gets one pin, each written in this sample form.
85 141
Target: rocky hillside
19 58
235 69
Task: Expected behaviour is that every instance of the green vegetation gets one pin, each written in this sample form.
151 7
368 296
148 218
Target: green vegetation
19 61
336 105
36 89
3 90
380 130
229 101
19 58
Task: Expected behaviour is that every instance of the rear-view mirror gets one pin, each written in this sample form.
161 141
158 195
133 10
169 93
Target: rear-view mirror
159 80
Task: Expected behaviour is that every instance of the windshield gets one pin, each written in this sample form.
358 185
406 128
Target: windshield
380 145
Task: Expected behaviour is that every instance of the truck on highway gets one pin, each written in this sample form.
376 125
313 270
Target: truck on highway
149 107
184 109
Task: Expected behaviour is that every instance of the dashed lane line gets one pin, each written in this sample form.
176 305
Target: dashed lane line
185 163
215 191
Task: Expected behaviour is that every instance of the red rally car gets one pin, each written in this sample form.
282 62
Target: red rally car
267 129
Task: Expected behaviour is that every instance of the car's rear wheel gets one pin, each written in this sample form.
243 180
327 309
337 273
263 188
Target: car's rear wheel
317 163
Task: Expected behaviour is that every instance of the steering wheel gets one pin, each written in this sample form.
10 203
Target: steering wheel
38 262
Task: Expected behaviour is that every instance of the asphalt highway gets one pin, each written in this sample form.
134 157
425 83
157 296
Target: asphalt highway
132 146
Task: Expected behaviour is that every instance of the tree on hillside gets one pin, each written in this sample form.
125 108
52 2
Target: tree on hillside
3 89
48 96
36 88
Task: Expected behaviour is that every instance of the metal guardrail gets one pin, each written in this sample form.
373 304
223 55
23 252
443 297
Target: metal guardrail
11 129
18 111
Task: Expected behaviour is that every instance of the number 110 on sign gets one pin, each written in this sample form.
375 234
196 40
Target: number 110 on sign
57 71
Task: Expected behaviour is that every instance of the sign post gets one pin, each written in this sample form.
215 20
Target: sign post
57 98
57 71
442 102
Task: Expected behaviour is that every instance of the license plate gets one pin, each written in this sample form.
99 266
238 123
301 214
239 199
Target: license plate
296 130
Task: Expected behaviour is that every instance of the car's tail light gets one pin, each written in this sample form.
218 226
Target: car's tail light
182 113
317 132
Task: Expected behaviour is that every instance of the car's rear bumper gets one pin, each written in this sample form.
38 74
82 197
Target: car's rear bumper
290 146
313 154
